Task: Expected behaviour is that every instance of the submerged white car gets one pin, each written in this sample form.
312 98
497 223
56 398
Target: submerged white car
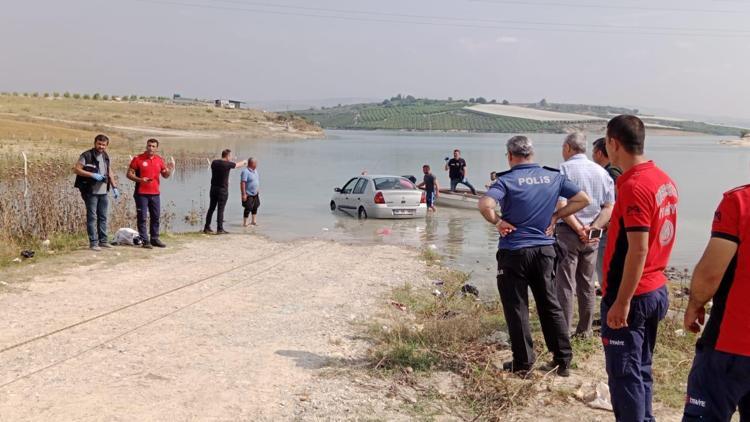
374 196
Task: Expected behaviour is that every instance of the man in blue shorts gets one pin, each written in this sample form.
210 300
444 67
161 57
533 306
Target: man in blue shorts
430 186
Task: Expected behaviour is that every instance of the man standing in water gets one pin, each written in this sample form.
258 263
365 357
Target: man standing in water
250 189
527 195
94 180
642 233
430 186
219 190
456 168
145 170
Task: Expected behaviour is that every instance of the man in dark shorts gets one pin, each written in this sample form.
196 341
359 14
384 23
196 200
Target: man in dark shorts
456 168
250 189
145 170
219 190
430 186
634 293
719 382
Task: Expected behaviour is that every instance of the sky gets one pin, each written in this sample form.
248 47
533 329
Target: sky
681 56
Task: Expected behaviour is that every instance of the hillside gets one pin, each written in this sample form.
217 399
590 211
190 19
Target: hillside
408 113
66 120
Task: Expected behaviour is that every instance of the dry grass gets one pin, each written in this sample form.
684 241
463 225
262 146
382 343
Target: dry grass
45 206
422 332
142 114
425 332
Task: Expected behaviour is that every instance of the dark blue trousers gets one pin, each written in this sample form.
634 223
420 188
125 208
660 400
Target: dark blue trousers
628 353
718 385
148 206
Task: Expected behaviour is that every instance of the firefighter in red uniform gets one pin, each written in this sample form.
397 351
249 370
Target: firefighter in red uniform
719 381
642 232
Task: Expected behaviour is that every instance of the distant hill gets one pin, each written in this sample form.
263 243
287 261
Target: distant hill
422 114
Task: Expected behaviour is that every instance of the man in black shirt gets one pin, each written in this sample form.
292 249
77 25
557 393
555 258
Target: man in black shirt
456 168
430 186
220 190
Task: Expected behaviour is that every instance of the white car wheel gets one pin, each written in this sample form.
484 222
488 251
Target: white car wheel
333 206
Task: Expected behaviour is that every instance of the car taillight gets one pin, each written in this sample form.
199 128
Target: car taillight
379 198
423 200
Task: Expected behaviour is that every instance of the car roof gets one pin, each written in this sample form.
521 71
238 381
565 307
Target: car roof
378 176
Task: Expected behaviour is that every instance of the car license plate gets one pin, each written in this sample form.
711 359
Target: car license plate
403 212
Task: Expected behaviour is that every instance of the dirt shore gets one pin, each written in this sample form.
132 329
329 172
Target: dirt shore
245 341
222 328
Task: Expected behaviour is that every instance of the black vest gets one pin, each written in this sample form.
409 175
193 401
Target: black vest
86 184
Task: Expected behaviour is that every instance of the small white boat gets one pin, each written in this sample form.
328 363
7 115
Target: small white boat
461 198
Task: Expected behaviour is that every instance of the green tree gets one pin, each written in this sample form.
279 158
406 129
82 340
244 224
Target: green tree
35 94
133 97
543 103
472 100
744 133
76 96
15 94
481 100
96 96
46 95
25 94
66 94
506 102
55 94
86 96
105 97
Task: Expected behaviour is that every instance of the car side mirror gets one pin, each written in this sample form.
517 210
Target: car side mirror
337 190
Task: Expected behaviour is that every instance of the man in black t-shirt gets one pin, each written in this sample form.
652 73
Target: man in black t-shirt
219 190
456 168
430 186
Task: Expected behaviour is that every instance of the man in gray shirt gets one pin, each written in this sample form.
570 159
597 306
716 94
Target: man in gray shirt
94 181
577 261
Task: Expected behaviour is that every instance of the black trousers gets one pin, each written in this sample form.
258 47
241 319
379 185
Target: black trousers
517 272
217 197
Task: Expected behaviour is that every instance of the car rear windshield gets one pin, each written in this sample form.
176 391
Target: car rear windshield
393 183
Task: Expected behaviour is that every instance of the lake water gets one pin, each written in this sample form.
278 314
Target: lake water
298 177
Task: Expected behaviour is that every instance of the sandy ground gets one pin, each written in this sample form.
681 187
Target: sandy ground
247 341
225 329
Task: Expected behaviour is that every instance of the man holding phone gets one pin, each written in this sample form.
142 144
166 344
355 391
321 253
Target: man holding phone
578 234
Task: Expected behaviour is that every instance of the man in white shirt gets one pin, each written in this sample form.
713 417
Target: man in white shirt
577 260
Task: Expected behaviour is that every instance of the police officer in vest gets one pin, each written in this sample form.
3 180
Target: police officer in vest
526 257
94 180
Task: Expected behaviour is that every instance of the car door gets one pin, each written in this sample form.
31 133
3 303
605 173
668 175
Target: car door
357 196
345 196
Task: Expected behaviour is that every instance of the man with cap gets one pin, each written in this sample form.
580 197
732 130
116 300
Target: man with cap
527 195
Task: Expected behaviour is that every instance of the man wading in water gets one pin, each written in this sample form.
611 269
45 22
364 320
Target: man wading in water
250 189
